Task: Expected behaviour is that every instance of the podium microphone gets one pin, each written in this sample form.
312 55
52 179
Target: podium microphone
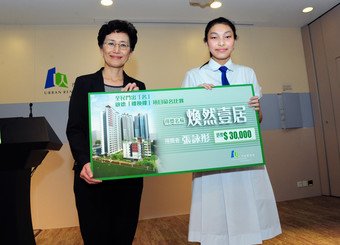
31 115
31 105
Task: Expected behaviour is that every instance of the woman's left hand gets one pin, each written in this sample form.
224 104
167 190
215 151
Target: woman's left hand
130 87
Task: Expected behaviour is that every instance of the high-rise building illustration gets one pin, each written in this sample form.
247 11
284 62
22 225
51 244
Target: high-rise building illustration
136 127
124 133
127 127
111 131
141 126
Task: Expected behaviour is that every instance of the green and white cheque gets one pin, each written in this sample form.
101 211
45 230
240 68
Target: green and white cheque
156 132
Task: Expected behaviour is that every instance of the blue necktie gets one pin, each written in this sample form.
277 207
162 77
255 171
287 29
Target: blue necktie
225 81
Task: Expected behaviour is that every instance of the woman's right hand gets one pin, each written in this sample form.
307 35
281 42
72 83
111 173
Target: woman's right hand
206 86
130 87
87 175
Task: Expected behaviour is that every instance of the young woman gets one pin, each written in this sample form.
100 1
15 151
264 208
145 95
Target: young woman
232 206
108 211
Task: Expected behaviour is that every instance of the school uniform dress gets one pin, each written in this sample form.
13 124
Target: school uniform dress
235 206
108 212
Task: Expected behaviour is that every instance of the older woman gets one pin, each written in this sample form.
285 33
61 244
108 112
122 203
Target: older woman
108 211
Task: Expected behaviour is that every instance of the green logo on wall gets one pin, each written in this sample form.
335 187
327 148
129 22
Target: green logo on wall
55 79
56 83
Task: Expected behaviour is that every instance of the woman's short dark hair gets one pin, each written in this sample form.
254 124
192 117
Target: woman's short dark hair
220 20
118 26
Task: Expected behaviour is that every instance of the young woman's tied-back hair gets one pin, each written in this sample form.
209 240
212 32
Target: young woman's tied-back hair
220 20
118 26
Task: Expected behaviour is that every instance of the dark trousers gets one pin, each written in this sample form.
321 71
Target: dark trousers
108 212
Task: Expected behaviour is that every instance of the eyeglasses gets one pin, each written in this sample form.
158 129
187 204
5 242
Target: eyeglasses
121 46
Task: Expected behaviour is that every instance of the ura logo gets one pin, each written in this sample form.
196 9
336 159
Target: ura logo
55 79
234 154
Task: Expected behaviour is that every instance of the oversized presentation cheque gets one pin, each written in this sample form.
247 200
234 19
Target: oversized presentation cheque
156 132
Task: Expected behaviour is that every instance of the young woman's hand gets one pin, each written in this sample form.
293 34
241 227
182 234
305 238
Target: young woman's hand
206 86
255 103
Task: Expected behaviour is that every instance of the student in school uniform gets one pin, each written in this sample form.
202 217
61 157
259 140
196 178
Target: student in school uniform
234 206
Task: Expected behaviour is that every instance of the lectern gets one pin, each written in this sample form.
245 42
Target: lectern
24 143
